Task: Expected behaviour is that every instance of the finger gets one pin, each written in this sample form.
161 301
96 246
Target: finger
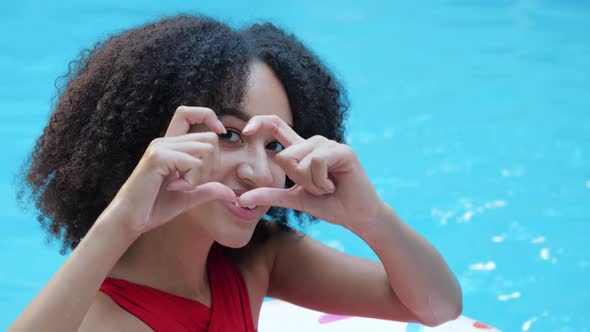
184 171
295 153
319 173
280 130
295 198
264 196
209 192
185 116
207 154
338 157
296 163
289 158
330 158
207 137
179 184
304 178
196 149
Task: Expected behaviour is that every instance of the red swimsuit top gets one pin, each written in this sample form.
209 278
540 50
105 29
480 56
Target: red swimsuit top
165 312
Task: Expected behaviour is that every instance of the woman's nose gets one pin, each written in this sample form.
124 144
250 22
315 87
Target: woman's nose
255 167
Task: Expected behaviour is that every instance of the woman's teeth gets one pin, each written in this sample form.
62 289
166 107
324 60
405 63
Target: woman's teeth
249 207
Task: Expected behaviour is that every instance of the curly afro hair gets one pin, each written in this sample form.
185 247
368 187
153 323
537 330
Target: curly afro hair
121 94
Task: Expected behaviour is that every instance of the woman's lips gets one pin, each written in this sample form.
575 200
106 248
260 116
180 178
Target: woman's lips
242 213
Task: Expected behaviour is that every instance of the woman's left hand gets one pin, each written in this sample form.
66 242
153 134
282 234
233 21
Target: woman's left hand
330 182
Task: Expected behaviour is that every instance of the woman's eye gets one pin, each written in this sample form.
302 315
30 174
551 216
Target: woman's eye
275 147
231 136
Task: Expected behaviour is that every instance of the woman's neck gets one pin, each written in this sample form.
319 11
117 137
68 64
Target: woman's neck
171 258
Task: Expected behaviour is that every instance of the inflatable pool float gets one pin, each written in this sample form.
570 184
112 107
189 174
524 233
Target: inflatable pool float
280 316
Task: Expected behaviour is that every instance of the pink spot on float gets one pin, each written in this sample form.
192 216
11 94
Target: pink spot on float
328 318
481 325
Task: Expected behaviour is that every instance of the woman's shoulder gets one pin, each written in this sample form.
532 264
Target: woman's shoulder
106 315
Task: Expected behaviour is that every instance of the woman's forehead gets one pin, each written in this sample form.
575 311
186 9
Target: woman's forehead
265 94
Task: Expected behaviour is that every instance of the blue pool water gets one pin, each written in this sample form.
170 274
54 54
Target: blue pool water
471 117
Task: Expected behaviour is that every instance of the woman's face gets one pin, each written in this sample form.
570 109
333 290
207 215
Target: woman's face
247 162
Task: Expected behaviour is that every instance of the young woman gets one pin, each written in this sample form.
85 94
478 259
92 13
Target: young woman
173 159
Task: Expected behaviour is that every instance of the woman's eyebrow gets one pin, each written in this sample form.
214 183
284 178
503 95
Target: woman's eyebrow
233 112
237 114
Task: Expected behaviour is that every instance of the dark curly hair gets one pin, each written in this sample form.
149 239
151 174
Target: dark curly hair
121 94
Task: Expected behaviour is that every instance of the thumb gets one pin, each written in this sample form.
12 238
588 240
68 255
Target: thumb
210 191
294 198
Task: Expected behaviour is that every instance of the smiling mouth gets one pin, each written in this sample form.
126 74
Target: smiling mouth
240 192
247 214
249 207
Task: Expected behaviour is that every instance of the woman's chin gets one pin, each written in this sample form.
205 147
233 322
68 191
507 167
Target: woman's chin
236 238
235 243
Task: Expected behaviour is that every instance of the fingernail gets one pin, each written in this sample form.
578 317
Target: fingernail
248 127
221 127
330 188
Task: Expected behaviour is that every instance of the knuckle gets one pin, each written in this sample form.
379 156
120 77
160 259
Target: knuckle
155 147
346 149
287 160
156 142
316 161
208 149
318 138
206 113
155 155
193 146
282 157
301 171
196 163
275 128
180 109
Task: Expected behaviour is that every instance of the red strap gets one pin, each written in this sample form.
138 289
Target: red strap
159 310
230 300
230 303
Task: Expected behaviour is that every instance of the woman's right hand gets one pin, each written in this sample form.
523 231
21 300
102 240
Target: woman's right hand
172 175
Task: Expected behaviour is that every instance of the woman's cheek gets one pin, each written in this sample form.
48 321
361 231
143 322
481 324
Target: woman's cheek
227 162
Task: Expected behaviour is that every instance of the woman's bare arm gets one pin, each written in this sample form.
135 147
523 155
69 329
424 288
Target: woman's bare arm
63 302
411 283
152 195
